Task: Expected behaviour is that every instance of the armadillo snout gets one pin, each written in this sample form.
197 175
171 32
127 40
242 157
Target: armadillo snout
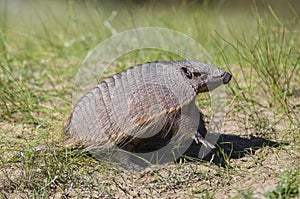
226 77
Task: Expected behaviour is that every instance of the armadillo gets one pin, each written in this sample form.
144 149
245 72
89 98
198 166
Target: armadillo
144 104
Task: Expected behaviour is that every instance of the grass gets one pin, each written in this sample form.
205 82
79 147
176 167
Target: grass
288 186
41 50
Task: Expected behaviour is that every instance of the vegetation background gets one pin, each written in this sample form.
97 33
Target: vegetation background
42 44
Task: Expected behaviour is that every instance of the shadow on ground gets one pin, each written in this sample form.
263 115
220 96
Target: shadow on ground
228 147
231 147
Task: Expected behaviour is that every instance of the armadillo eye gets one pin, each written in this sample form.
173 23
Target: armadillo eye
187 73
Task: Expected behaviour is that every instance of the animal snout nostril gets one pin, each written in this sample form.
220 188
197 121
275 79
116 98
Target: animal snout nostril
226 77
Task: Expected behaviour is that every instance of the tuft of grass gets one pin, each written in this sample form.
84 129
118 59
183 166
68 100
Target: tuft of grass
247 194
288 186
54 173
269 61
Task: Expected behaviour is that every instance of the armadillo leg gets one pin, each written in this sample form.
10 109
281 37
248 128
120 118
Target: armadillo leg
192 123
201 126
201 133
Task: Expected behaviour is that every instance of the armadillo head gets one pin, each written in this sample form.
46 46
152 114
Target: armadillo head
203 77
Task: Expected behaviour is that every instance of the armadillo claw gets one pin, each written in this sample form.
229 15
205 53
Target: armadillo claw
199 139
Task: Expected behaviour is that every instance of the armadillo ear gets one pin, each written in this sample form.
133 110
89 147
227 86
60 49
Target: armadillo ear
187 73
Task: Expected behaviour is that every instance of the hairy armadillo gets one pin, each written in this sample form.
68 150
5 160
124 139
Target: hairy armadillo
147 103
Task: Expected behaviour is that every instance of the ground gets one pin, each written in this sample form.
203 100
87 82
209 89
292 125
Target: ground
258 152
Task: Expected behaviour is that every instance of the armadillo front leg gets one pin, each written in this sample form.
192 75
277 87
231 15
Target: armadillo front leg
202 132
191 123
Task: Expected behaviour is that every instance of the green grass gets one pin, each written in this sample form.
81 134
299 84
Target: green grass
288 186
41 50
